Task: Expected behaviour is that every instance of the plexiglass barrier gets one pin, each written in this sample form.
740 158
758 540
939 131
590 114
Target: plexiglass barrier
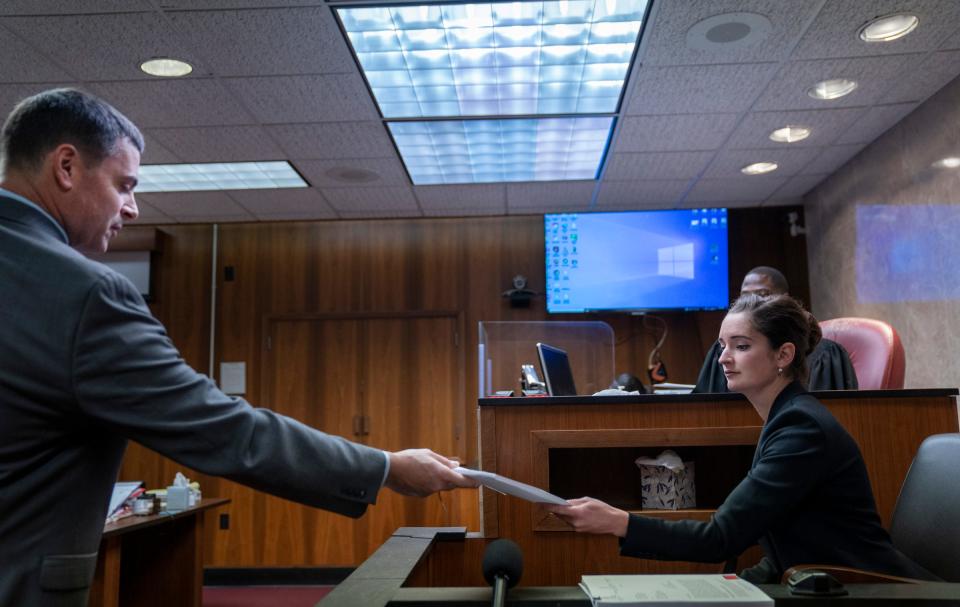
505 346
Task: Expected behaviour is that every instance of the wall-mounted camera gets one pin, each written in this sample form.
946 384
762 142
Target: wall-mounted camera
520 295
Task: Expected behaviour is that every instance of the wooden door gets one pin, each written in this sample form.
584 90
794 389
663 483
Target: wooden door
416 404
404 378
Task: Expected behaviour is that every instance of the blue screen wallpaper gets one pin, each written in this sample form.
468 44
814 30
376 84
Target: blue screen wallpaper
636 260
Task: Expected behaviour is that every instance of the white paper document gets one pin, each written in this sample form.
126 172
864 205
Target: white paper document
672 590
512 487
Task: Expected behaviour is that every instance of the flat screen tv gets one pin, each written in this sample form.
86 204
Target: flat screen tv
636 261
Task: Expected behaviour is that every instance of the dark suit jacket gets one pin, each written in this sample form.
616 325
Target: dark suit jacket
829 364
806 499
84 366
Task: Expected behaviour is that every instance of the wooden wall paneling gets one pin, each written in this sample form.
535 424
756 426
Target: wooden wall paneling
415 404
458 264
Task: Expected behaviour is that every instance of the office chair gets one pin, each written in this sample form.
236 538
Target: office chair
874 348
926 519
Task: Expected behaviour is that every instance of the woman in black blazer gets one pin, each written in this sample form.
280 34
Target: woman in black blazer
806 497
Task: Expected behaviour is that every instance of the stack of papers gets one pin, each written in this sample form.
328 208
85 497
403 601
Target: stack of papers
512 487
672 590
668 388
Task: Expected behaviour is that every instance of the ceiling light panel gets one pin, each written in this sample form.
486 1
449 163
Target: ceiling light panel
488 151
510 58
218 176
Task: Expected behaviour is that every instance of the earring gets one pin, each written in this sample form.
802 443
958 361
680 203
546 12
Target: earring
779 370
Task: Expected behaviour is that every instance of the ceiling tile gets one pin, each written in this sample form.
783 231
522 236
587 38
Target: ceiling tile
71 7
790 161
149 214
293 203
219 143
283 41
333 140
666 42
174 103
205 5
737 191
549 196
362 200
155 153
788 90
875 122
12 94
834 33
641 194
196 206
698 88
20 63
679 133
353 172
656 165
380 214
105 46
797 186
481 199
292 99
930 76
754 131
832 158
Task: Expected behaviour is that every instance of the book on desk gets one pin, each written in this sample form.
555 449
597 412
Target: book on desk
672 590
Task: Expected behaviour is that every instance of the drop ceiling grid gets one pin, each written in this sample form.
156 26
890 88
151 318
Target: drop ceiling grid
294 203
470 199
735 191
270 42
219 143
542 195
197 206
727 163
392 199
333 140
622 195
655 165
389 171
754 131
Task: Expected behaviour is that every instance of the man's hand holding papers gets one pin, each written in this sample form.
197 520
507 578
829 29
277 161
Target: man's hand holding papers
512 487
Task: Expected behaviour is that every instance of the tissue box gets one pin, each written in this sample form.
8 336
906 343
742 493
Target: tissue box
666 489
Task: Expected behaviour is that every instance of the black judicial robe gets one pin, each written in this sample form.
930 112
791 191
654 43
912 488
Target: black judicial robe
829 363
805 499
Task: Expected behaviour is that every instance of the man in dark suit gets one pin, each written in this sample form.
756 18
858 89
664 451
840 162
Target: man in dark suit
829 364
84 367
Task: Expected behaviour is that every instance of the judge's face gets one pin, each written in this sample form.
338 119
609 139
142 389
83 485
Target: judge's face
758 284
748 360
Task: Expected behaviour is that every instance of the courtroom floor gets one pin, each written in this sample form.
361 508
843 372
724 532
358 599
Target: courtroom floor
263 596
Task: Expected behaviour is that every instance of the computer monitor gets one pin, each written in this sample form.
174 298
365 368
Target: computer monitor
556 370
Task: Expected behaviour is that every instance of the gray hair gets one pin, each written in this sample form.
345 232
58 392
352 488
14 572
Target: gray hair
40 123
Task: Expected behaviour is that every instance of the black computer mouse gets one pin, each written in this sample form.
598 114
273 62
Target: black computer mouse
815 583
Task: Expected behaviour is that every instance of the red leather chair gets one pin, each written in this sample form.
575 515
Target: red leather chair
874 348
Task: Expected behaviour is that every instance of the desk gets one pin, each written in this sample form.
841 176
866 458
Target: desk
152 560
581 445
390 578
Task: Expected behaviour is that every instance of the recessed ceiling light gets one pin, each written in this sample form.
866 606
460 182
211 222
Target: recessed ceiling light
790 134
218 176
759 168
165 67
890 27
950 162
832 89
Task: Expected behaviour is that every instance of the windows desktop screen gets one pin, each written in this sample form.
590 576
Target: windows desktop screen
636 260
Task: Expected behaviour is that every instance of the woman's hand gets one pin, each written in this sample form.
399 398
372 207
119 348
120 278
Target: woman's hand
588 515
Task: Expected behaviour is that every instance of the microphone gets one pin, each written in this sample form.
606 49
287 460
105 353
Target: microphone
502 568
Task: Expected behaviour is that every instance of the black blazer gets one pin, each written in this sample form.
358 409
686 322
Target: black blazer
806 499
829 363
